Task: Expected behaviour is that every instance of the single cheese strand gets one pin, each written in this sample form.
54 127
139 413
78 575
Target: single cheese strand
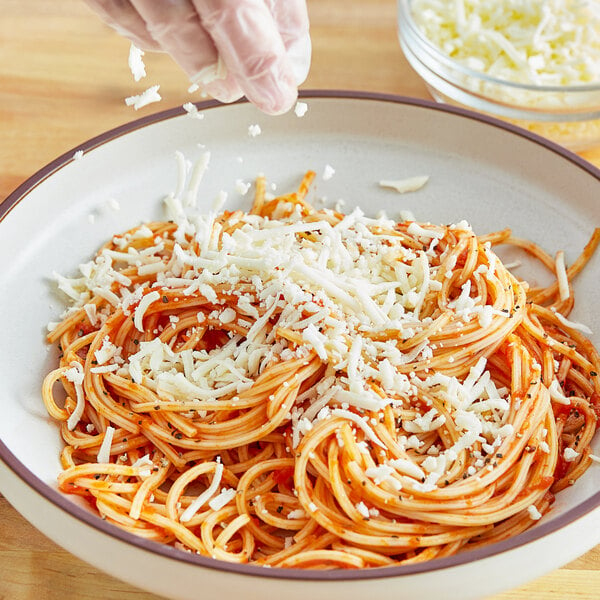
561 276
104 452
208 493
139 312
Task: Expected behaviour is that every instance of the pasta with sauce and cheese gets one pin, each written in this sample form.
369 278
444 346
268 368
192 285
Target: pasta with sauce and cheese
302 388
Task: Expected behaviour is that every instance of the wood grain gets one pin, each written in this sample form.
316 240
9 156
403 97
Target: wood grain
63 78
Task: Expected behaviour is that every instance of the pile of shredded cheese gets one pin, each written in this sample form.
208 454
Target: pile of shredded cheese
336 286
541 42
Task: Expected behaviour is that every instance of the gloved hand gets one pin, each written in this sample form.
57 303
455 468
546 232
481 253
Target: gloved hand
257 48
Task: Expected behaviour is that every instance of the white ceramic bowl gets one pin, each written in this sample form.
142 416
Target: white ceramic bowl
490 173
569 115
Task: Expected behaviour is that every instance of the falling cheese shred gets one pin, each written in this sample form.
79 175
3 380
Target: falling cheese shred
136 62
146 97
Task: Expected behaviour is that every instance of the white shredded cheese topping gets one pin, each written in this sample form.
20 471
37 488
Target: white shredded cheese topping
203 498
145 465
300 108
241 187
142 307
198 170
556 393
403 186
75 375
332 282
570 454
192 110
104 451
561 276
226 496
147 97
254 130
328 172
361 507
572 324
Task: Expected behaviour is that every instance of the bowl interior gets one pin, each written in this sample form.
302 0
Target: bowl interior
491 175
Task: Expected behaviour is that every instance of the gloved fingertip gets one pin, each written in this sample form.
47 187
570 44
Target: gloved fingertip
209 73
299 54
223 90
278 105
273 94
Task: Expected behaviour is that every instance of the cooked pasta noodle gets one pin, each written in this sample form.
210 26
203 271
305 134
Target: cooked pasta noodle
301 388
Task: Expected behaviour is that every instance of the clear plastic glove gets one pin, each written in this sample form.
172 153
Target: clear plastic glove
231 48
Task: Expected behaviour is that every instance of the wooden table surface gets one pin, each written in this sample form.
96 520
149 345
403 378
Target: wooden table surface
63 78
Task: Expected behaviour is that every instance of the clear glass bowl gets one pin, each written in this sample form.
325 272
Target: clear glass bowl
568 115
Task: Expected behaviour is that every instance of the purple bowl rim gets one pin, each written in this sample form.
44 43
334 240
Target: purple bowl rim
86 517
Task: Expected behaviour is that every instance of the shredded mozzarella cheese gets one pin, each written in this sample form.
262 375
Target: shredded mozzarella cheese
300 108
570 454
142 307
203 498
147 97
136 63
555 42
104 452
561 276
403 186
254 130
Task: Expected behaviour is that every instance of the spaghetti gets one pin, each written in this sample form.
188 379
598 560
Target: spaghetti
301 388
